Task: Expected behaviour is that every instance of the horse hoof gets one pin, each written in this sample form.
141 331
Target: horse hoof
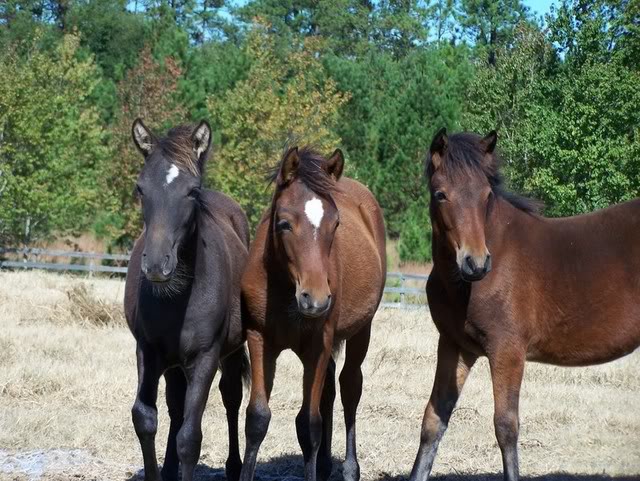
232 469
323 469
351 471
169 474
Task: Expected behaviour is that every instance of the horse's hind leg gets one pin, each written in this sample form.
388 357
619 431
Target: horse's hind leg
144 412
325 463
263 370
176 390
451 373
350 392
231 391
507 369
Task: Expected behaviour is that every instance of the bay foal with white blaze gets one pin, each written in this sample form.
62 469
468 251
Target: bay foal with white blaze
514 286
314 278
182 298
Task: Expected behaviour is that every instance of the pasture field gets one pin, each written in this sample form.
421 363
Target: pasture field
67 381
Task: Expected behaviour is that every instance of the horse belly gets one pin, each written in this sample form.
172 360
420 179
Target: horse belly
596 338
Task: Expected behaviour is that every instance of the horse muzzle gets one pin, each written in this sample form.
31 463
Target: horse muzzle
475 268
158 271
309 306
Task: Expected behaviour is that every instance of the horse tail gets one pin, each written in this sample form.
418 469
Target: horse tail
245 367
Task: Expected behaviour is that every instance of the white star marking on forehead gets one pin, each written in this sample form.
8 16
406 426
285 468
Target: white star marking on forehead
313 209
172 173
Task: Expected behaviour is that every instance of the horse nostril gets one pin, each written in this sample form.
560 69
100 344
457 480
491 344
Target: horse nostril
305 300
487 263
469 262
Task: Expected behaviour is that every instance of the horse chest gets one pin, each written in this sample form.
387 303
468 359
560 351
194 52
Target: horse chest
172 329
453 321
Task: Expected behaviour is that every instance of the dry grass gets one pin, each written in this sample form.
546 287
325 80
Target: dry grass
84 308
67 389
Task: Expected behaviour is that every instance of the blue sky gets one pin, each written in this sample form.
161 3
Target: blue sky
540 7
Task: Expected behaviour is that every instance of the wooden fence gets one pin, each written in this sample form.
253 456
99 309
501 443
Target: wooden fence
401 290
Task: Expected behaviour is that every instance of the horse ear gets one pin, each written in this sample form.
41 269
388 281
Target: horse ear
489 141
438 147
289 167
201 138
142 137
488 145
335 164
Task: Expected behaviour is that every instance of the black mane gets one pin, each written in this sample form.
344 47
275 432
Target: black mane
463 153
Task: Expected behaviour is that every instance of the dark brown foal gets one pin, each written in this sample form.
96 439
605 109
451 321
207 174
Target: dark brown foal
182 299
513 286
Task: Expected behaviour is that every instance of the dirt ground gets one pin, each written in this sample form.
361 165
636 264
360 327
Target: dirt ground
67 381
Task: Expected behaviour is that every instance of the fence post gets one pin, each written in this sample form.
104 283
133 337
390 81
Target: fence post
402 293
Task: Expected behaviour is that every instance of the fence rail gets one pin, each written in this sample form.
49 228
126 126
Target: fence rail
397 293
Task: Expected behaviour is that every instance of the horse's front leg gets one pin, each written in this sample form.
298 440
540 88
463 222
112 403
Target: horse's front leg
309 420
199 373
144 412
507 369
452 371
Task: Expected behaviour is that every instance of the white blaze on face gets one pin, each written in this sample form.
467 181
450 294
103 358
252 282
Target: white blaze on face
313 209
172 173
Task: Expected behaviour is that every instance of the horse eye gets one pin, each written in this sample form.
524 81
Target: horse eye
283 225
194 193
440 196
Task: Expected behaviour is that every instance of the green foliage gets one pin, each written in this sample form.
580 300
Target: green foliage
112 34
211 71
415 237
51 145
395 108
490 24
568 130
285 98
374 78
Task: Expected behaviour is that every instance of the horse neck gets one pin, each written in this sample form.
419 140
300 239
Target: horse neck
187 252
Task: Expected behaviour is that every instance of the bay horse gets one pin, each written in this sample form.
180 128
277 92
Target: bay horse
514 286
315 276
182 298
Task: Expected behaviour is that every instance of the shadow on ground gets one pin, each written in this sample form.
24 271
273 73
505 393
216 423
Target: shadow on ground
289 468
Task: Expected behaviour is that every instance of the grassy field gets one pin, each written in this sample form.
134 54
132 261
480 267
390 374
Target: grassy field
67 381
